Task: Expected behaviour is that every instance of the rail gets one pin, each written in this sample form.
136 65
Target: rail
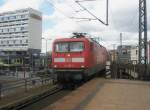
30 100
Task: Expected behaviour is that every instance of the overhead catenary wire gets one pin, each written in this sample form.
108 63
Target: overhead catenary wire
85 0
76 11
67 16
96 18
83 18
61 12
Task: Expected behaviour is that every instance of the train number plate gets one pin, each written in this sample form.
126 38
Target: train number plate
68 60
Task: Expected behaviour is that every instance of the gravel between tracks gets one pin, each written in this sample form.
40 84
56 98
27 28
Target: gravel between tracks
22 94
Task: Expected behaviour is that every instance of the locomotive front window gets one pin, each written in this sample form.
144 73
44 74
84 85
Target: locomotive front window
69 47
62 47
76 46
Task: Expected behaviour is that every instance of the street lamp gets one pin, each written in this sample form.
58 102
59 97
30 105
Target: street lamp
46 39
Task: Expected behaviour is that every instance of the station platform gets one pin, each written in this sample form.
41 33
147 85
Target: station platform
107 94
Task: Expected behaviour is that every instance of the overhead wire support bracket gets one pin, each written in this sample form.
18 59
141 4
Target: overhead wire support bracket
83 18
96 18
85 0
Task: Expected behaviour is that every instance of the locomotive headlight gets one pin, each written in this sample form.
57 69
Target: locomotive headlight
55 66
82 66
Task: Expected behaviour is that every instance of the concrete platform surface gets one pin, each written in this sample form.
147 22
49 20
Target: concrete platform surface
104 94
121 95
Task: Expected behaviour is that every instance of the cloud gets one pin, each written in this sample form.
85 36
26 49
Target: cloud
10 5
123 17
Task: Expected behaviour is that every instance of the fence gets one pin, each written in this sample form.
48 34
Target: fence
131 71
23 85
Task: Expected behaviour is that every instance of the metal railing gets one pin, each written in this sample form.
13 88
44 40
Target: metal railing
131 70
23 85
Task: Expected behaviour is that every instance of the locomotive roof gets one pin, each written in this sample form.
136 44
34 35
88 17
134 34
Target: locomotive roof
70 39
77 39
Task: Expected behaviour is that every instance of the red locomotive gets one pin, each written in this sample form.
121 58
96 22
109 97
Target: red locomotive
78 58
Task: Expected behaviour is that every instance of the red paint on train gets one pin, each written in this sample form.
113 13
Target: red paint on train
82 56
92 54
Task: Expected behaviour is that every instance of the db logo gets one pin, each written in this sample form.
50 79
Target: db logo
68 60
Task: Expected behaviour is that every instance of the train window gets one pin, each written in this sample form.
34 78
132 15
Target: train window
124 51
62 47
76 46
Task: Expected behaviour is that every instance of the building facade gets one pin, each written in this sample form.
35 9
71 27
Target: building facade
113 55
149 52
124 54
20 30
134 54
130 54
20 35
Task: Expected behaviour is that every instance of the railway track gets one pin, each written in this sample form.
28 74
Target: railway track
23 103
39 101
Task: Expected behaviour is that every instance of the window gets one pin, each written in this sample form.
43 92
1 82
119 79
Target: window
24 44
136 52
12 17
69 47
1 30
6 18
17 29
26 15
62 47
22 28
76 46
22 16
5 30
14 29
26 40
19 16
11 30
20 41
2 19
124 51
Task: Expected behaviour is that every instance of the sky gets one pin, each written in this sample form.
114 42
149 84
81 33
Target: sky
58 23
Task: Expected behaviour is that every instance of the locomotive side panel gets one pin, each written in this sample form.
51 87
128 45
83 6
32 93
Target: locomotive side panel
97 58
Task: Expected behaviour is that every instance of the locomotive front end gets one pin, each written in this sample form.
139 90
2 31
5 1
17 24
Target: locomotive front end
68 59
68 55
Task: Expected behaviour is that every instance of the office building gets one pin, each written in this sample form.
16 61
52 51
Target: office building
20 34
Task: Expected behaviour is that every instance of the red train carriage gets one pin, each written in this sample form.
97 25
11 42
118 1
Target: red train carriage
75 59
